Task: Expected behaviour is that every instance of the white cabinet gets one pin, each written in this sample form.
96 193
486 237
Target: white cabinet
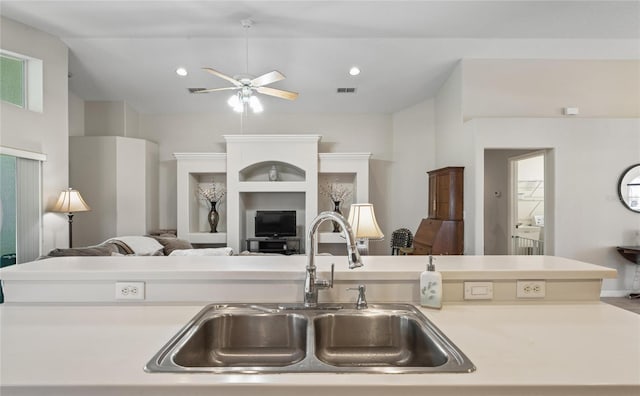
118 178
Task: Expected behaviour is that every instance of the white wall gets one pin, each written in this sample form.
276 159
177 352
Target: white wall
131 121
44 132
454 147
76 115
414 153
543 87
116 178
589 156
130 169
340 133
92 172
583 227
106 118
103 118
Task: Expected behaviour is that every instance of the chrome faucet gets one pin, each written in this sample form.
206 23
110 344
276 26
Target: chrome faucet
361 302
311 284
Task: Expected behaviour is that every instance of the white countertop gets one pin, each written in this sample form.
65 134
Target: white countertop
549 347
580 348
292 268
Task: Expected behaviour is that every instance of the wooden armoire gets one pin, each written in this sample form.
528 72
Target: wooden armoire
442 232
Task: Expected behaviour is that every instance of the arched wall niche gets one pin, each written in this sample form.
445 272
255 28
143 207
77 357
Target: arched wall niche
272 171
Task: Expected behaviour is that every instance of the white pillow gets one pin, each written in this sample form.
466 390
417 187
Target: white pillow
225 251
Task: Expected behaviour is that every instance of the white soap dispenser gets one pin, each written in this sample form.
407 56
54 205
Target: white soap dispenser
431 286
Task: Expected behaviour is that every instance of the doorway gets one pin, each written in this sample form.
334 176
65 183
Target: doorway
498 202
526 204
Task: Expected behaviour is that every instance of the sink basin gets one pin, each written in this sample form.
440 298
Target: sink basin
375 340
245 340
268 338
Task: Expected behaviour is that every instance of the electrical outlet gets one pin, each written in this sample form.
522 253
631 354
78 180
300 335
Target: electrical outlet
129 290
531 289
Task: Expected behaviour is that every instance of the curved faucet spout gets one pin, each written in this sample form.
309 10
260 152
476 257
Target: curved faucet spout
352 250
311 284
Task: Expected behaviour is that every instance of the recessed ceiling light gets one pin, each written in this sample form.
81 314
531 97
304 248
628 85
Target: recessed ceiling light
181 71
354 71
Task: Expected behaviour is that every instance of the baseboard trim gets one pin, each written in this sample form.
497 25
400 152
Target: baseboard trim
614 293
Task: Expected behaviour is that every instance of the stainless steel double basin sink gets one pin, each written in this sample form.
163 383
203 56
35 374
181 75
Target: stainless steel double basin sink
268 338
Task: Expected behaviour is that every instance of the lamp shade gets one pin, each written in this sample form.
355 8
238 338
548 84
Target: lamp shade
362 219
70 201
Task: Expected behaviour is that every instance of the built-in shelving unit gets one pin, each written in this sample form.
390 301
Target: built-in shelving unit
247 171
199 170
250 159
350 170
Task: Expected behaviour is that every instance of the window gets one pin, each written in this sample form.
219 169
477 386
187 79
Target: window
8 209
21 80
21 205
12 80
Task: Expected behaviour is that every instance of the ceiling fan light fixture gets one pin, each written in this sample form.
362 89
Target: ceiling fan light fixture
248 86
235 102
255 104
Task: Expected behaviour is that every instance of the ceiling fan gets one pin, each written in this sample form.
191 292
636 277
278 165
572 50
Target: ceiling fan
247 84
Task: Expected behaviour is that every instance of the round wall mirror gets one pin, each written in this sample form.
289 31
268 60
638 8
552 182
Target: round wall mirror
629 188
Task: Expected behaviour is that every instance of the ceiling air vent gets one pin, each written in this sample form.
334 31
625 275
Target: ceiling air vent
346 90
194 90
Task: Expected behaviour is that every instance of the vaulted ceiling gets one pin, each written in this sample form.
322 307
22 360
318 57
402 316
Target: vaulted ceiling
129 50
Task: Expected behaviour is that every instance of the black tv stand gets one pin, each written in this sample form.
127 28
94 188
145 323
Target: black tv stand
280 245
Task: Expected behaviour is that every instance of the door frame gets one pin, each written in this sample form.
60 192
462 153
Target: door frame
513 194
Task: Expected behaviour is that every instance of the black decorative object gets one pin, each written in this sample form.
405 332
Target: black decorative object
336 208
213 217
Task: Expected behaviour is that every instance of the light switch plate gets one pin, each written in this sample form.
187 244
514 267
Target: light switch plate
478 290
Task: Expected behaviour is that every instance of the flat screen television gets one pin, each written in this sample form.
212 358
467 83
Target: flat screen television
275 223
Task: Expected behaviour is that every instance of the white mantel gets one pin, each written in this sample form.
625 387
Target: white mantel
245 151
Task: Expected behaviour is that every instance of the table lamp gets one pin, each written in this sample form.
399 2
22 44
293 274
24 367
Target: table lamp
70 201
363 222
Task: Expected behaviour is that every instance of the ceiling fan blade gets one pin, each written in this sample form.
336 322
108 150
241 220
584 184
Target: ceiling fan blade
278 93
223 76
267 78
213 89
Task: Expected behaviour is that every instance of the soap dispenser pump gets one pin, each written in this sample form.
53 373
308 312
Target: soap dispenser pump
431 286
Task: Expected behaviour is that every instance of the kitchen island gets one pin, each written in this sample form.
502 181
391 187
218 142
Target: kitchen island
550 346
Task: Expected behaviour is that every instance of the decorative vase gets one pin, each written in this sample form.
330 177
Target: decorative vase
336 208
213 217
273 173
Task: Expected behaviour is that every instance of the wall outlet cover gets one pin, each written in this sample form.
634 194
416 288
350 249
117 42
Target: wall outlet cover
129 291
531 289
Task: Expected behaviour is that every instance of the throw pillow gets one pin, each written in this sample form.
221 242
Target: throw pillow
170 244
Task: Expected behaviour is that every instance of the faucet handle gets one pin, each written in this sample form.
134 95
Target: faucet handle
322 283
361 302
